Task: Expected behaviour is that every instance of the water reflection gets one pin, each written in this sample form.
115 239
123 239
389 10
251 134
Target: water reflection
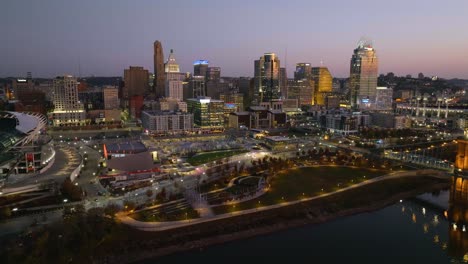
458 216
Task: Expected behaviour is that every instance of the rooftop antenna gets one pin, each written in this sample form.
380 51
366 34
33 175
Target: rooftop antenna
321 62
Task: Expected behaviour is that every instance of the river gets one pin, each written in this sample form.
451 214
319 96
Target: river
416 230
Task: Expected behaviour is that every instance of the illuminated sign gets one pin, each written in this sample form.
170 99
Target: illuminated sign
21 80
365 100
198 62
230 105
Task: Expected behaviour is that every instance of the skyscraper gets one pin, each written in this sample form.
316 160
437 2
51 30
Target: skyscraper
323 84
363 75
303 71
159 76
68 110
136 82
213 74
174 85
200 67
266 75
283 83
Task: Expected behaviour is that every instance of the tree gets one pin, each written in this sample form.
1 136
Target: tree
71 191
149 193
111 209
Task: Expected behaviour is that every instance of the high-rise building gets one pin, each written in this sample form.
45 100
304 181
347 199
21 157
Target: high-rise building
303 71
200 67
213 74
111 97
171 67
323 84
159 70
68 110
283 83
197 87
266 75
363 75
136 81
207 112
174 87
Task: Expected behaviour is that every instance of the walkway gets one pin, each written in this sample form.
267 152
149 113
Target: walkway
161 226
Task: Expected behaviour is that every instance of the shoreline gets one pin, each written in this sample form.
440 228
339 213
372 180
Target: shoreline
187 245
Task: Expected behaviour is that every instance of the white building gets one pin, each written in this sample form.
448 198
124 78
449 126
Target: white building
68 110
166 121
174 87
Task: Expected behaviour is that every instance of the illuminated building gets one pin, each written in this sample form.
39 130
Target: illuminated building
159 70
323 84
207 112
302 90
363 75
174 87
68 110
267 85
303 71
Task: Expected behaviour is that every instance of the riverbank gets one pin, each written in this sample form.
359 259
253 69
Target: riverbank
148 245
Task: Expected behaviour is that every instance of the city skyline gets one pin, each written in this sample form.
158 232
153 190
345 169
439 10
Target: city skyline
53 38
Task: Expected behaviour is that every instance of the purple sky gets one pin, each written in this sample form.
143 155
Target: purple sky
52 37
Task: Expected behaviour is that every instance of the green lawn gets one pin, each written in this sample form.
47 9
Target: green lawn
305 182
212 156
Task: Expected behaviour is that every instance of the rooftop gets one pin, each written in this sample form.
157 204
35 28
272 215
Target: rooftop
125 147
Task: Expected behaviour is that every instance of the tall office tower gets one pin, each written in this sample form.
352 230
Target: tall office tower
136 82
303 71
200 67
171 65
159 71
283 83
323 84
363 75
174 85
111 97
266 75
20 87
68 110
213 74
197 87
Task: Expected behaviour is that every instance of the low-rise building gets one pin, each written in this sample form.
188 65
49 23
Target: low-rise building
167 121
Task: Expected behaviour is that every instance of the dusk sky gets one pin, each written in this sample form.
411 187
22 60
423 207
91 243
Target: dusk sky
52 37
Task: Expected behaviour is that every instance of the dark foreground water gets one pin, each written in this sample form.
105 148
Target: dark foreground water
413 231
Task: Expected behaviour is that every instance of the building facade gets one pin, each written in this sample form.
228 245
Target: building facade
111 98
303 71
159 72
167 121
207 112
67 108
323 84
363 75
136 80
267 78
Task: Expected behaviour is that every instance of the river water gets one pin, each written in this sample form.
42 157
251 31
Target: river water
411 231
